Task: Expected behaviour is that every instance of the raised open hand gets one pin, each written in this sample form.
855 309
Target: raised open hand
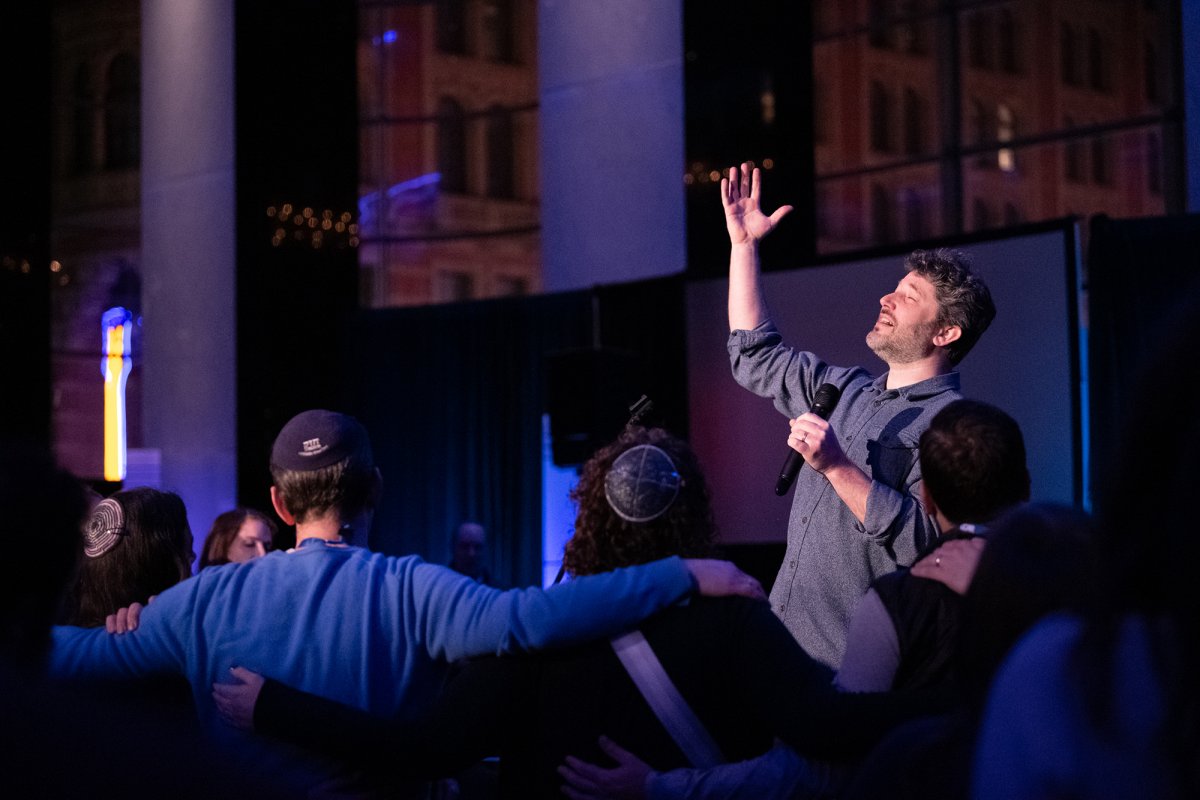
743 215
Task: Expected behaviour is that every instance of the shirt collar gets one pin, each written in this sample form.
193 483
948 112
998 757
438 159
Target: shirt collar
921 390
316 541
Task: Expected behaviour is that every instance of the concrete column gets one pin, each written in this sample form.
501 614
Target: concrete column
1190 44
188 250
612 145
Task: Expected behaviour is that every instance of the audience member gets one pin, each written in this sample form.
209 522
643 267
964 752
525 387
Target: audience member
1105 703
470 548
43 507
1038 559
740 671
902 633
366 629
238 536
136 544
62 740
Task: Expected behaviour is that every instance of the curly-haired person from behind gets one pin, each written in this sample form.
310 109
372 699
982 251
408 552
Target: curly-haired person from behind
605 540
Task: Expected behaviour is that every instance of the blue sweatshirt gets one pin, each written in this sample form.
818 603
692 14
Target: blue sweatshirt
373 631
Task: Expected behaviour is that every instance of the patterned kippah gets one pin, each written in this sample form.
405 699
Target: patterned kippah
104 528
317 439
642 483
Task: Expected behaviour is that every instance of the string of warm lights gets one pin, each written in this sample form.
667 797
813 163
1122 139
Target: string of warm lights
11 263
316 229
700 173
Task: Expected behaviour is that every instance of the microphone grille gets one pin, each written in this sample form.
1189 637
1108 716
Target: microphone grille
825 399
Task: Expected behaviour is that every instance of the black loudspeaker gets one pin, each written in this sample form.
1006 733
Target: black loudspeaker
588 396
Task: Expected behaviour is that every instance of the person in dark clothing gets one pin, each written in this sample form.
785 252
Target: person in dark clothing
902 633
62 739
735 664
1038 559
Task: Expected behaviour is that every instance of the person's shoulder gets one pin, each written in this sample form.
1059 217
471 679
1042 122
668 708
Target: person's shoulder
1042 653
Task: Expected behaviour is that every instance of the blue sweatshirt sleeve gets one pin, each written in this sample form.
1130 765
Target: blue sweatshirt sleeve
456 617
153 649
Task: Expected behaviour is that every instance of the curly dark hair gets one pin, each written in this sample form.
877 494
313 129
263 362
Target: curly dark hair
962 296
604 541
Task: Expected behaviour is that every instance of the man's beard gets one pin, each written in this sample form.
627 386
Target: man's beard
902 345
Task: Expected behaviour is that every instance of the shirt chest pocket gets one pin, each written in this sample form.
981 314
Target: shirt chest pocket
891 459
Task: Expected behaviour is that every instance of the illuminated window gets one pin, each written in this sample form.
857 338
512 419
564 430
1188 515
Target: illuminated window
1005 131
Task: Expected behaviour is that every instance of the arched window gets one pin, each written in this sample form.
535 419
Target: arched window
880 111
1068 55
981 217
1007 35
1101 169
499 31
501 180
983 132
1151 77
83 121
451 23
1097 61
1072 156
981 124
910 35
979 41
914 122
452 146
122 114
882 227
1154 180
914 214
878 24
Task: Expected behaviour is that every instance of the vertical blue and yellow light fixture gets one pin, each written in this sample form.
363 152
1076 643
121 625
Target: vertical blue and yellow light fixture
117 327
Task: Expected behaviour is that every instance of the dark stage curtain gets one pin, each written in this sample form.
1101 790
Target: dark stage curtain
453 397
1139 272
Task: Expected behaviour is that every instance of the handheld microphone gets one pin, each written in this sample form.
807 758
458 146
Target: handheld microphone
824 400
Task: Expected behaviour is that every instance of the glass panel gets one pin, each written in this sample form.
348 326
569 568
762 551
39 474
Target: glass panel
1041 188
448 155
1059 110
880 208
875 100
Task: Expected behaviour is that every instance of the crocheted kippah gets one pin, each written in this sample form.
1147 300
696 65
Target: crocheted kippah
104 528
642 483
317 439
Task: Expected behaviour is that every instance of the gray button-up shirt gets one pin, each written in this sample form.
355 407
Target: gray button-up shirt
831 557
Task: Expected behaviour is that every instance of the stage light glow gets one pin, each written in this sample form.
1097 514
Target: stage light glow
116 326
